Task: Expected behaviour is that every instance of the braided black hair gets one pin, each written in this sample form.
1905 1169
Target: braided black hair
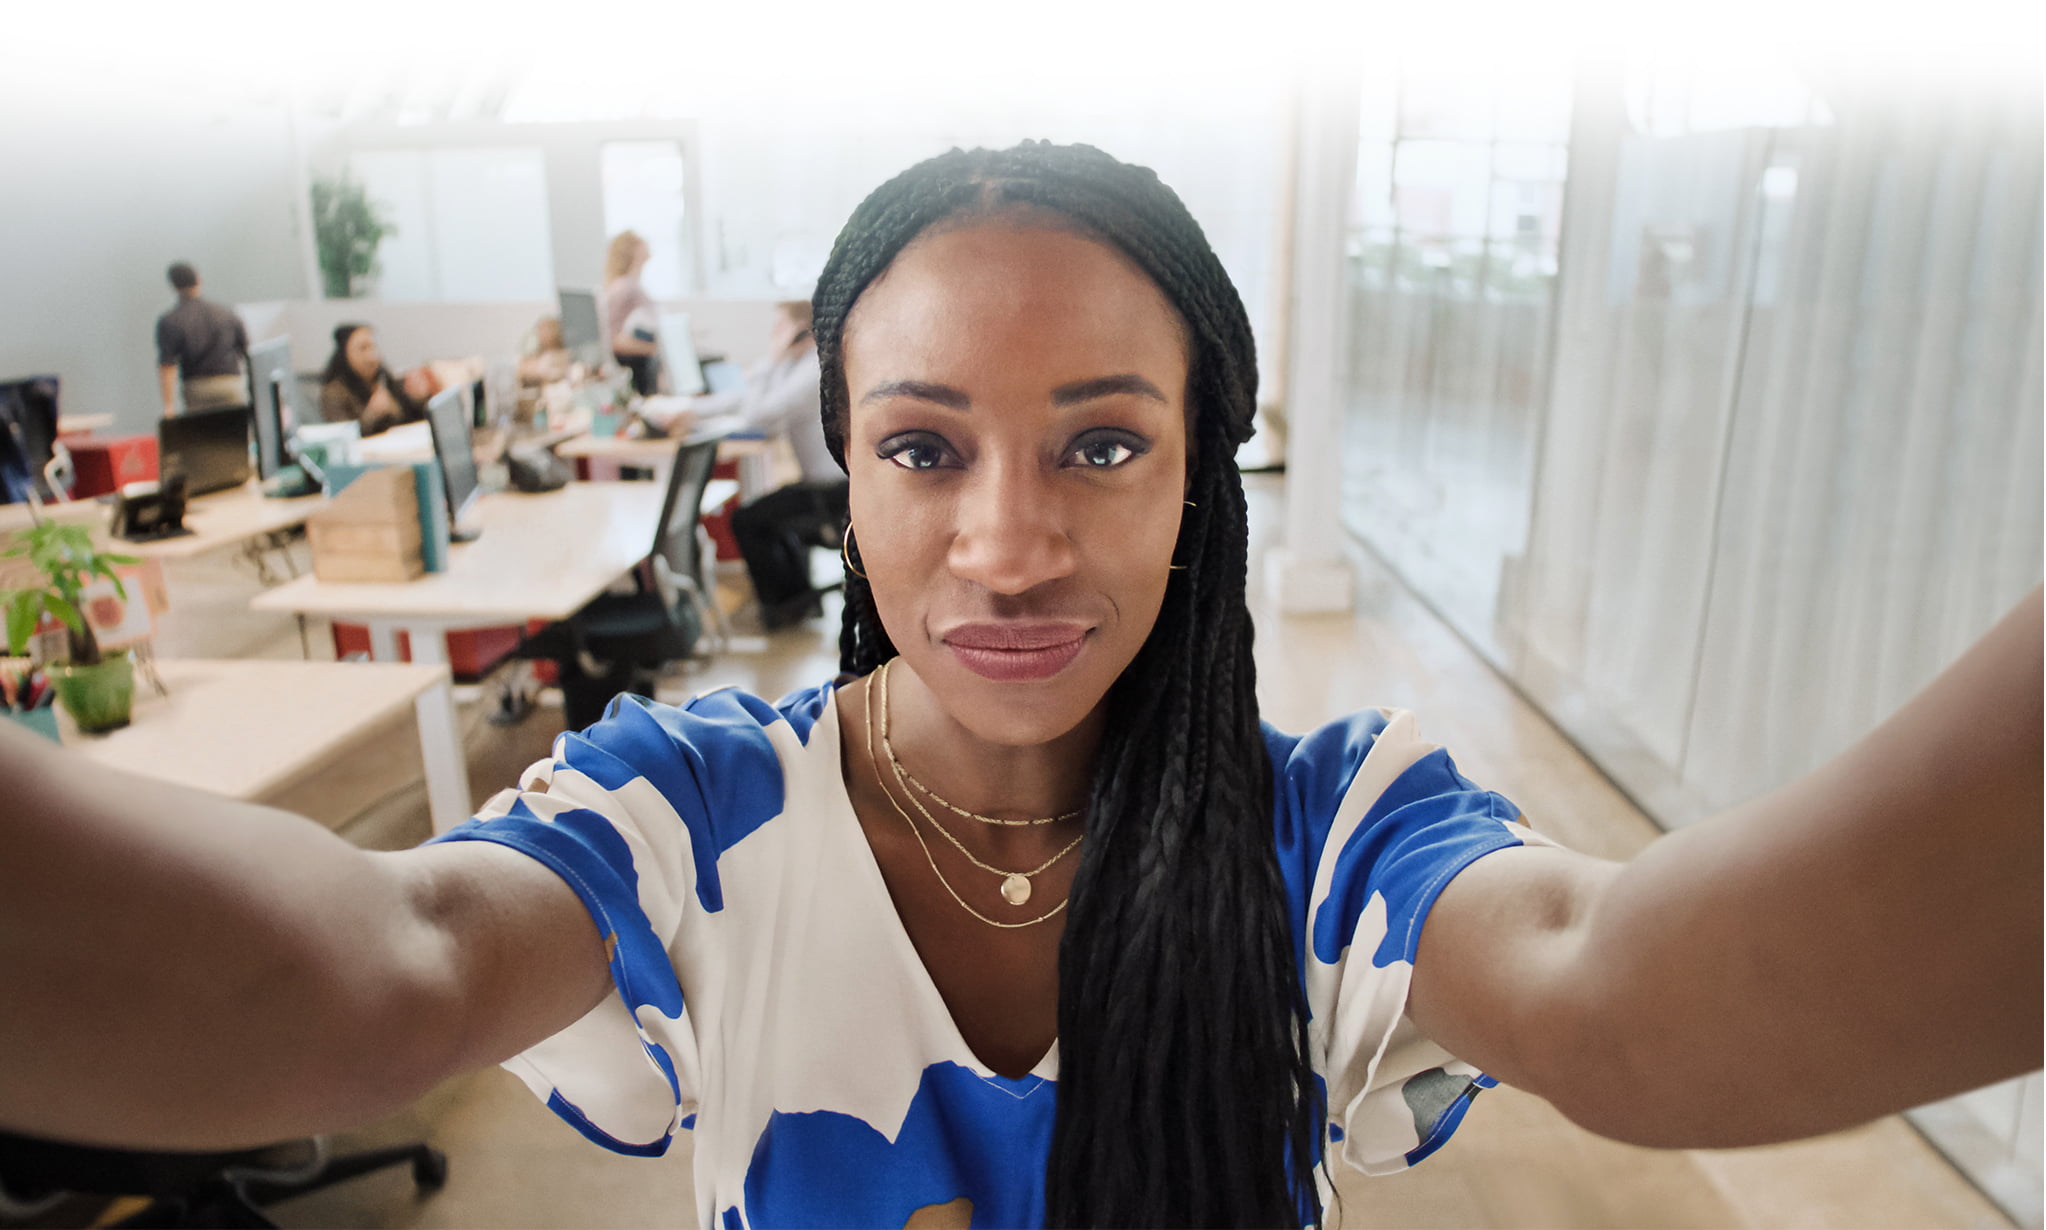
1186 1091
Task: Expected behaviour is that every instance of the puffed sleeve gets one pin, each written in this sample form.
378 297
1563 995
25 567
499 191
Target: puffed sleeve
633 813
1373 822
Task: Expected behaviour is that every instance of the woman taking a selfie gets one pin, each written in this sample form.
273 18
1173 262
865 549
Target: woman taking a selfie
1027 918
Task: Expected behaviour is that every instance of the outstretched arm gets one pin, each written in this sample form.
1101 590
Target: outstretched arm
181 971
1863 940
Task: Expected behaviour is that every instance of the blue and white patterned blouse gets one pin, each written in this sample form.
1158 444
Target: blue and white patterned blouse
769 998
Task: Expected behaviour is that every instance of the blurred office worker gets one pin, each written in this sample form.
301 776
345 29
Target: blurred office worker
629 319
776 531
543 357
357 386
201 344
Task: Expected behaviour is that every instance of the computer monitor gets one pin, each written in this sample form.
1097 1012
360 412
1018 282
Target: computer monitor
678 354
581 332
448 417
28 438
723 376
271 395
209 447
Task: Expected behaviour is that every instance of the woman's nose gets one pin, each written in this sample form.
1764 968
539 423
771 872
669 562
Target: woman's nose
1011 536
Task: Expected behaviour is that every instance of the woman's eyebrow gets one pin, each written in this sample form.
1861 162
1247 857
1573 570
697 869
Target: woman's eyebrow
923 390
1105 386
1064 395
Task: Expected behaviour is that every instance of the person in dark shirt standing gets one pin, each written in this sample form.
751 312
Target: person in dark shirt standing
202 343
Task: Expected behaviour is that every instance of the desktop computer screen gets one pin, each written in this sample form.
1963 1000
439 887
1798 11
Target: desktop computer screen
448 418
209 447
724 376
580 330
678 354
271 385
28 437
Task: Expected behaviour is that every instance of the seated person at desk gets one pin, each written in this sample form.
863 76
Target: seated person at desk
543 359
776 531
358 387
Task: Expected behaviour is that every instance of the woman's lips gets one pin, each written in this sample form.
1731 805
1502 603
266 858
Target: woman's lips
1016 653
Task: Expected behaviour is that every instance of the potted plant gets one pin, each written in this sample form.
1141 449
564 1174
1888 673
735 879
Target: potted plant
347 227
98 692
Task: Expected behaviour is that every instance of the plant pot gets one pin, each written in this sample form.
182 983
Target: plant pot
98 697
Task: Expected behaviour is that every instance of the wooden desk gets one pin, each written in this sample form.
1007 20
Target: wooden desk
246 728
756 458
222 519
539 557
82 424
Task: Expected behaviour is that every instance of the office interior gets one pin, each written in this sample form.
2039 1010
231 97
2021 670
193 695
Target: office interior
1652 422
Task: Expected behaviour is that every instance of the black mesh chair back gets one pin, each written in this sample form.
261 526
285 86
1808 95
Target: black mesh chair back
675 537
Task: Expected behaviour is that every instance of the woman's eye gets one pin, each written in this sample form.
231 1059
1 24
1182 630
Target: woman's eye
913 453
1105 453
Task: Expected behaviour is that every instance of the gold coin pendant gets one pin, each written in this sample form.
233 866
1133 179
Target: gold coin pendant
1016 889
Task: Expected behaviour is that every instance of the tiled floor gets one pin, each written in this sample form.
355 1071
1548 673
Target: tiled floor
1515 1162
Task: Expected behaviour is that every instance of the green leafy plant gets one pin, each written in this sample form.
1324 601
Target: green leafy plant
69 561
347 227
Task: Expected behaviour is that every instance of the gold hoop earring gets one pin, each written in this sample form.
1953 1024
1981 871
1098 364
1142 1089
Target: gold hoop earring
844 553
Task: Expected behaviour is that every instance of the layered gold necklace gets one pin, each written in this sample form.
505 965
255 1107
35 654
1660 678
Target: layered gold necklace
1016 887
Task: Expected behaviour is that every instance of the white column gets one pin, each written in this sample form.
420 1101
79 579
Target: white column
1309 572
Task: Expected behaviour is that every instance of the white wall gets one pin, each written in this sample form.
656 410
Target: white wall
101 197
413 333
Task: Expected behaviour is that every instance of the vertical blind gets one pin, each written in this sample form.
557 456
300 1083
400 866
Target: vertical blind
1752 456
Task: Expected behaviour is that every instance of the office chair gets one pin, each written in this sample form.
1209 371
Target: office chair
619 642
225 1189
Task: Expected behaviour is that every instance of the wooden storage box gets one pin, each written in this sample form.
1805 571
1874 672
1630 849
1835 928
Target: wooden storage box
370 531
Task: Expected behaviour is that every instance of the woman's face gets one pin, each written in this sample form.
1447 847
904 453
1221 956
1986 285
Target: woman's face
363 356
1017 444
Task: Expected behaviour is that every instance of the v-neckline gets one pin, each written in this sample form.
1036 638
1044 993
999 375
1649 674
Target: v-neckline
1046 1067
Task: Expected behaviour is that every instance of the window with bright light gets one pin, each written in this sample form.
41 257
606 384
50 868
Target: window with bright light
469 225
644 192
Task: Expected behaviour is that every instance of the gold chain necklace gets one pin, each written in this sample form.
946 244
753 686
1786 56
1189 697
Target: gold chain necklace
903 775
868 699
1015 884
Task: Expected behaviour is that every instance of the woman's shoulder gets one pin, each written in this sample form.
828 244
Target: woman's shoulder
721 756
1372 767
714 724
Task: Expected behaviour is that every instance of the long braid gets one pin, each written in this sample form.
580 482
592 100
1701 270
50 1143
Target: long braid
1186 1092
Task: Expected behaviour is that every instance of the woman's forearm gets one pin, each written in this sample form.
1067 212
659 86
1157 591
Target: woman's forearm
1863 940
181 970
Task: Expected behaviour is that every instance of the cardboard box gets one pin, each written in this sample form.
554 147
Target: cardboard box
370 530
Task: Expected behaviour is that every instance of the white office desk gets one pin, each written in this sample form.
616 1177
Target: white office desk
222 519
756 458
539 557
246 728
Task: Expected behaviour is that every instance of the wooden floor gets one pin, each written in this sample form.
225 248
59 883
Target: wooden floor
1514 1163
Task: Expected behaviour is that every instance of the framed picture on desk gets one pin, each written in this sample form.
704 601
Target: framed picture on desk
124 622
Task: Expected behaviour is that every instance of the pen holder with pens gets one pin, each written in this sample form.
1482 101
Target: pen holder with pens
27 695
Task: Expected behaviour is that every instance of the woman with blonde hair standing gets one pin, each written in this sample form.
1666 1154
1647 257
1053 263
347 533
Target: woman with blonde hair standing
629 319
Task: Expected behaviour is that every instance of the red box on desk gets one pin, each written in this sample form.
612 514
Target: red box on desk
105 463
